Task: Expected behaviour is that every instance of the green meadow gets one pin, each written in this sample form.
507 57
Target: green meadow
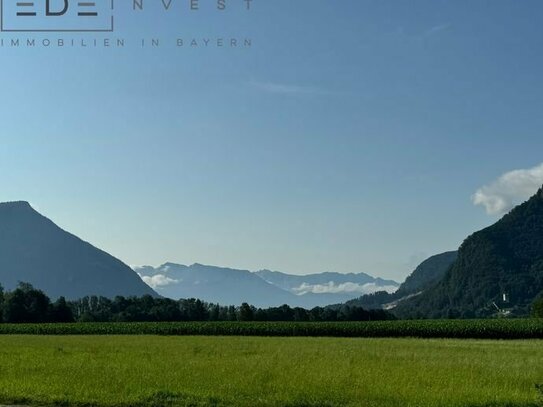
258 371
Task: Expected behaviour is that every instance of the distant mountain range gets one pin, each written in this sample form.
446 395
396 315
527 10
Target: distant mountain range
34 250
213 284
497 271
263 288
327 288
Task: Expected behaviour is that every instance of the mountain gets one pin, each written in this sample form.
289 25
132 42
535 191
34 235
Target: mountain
262 289
429 272
327 288
499 270
34 250
214 284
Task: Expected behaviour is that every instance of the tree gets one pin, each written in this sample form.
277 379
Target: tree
61 312
214 312
231 313
537 308
300 315
246 313
26 304
1 301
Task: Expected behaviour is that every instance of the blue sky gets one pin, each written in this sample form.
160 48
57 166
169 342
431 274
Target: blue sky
350 137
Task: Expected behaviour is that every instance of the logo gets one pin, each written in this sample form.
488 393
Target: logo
57 23
56 16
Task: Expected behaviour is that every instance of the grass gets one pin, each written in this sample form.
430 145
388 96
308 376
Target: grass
252 371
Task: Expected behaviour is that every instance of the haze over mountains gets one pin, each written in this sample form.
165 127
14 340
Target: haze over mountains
497 271
328 288
34 250
213 284
262 289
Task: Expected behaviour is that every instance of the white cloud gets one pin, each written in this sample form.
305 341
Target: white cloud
509 190
347 288
159 280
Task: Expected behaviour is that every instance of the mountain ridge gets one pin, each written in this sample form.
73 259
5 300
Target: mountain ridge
429 272
34 249
213 284
499 270
181 281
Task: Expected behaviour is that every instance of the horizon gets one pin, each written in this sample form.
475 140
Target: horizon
366 144
134 267
159 265
253 271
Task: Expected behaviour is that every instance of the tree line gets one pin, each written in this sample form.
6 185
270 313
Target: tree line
27 304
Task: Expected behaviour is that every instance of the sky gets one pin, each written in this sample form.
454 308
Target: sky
352 136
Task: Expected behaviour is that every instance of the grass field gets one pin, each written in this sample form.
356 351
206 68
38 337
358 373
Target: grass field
253 371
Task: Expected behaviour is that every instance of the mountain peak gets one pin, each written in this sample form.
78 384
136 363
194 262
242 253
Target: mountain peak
15 205
35 250
171 265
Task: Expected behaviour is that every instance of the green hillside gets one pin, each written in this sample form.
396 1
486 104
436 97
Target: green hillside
499 271
426 274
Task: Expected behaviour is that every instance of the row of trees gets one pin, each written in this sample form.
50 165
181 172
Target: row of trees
147 308
27 304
